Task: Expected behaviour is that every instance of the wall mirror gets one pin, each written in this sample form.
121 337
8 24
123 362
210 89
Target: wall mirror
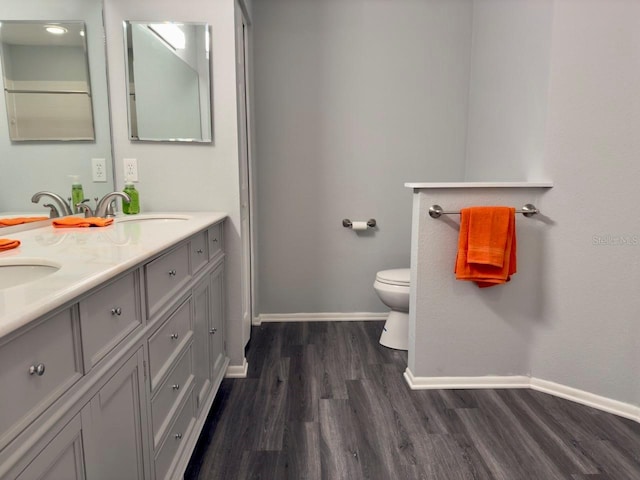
168 81
46 80
31 166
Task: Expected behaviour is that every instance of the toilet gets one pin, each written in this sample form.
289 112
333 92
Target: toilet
392 286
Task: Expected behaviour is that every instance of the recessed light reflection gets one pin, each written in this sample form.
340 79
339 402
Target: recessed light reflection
56 29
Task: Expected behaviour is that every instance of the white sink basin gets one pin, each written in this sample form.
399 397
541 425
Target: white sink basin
17 271
150 217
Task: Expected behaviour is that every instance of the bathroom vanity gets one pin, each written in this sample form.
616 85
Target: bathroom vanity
112 358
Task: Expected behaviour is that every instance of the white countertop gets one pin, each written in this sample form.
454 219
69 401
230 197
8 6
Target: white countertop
87 258
427 185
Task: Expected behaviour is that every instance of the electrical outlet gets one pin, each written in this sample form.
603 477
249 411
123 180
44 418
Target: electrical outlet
131 169
99 169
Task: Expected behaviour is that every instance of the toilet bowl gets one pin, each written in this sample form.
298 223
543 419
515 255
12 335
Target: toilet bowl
392 286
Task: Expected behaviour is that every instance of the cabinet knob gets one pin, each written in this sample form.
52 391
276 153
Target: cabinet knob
178 436
37 369
174 336
200 251
172 273
213 331
116 311
176 387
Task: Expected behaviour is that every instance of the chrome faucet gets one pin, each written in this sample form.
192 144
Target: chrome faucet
62 208
104 208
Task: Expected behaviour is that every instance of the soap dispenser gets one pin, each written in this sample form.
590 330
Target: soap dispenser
77 194
132 207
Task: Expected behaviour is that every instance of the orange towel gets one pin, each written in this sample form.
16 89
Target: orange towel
8 244
8 222
486 245
71 222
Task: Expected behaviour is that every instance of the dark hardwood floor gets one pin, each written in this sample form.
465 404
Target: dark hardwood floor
327 401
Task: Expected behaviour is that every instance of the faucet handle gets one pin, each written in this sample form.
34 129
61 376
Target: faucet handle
82 206
53 211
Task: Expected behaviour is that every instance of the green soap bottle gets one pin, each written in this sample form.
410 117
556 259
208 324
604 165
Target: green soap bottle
132 207
77 194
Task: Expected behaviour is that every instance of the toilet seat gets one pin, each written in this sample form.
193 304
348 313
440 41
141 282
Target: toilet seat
397 276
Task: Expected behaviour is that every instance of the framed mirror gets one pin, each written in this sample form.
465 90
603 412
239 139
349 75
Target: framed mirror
168 81
46 80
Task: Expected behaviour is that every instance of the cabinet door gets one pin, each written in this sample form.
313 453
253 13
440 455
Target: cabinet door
201 359
216 322
61 458
112 423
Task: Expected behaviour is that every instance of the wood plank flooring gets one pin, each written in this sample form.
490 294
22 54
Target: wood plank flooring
327 401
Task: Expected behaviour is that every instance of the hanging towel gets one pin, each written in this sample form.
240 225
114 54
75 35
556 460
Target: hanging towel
71 222
8 244
486 245
9 222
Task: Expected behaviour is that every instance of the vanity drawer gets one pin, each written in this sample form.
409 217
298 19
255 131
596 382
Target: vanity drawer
199 255
107 317
178 434
37 367
215 240
167 341
165 275
169 393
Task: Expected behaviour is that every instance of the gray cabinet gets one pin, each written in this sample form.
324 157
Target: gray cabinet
209 354
117 383
216 324
201 317
113 425
61 458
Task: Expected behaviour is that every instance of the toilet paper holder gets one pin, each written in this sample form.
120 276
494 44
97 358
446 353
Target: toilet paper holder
371 223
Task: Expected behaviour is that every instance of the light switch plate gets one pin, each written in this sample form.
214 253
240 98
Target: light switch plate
99 169
131 169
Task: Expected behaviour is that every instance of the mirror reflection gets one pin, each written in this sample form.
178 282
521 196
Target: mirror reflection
168 80
46 80
32 166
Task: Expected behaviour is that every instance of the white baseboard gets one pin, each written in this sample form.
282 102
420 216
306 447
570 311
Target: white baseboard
238 371
450 383
319 317
622 409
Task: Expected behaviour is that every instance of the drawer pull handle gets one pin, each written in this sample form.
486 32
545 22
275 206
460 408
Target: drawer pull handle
174 336
37 369
215 240
178 436
213 331
176 387
116 311
172 273
200 251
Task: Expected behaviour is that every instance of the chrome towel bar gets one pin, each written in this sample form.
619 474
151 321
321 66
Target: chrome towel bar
528 210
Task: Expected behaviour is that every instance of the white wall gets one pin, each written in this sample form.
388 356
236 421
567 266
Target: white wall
29 167
176 177
352 99
508 88
570 315
458 329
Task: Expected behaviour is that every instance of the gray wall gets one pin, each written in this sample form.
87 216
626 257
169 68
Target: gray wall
352 99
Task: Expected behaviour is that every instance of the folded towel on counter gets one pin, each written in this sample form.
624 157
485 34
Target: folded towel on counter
72 222
8 244
486 245
9 222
